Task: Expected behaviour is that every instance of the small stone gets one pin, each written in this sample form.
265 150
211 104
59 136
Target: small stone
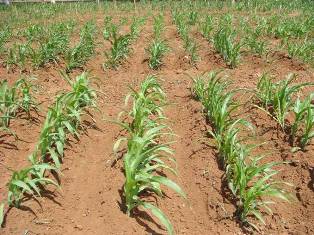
79 227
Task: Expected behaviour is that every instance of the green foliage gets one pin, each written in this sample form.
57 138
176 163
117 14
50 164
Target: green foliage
28 181
156 50
248 179
77 56
303 50
5 35
62 118
119 47
257 46
276 98
190 45
120 43
17 55
206 27
14 99
145 149
303 120
136 27
43 45
224 43
251 181
218 103
192 17
158 26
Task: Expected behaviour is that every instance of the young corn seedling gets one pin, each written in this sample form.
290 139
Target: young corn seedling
17 55
34 32
308 132
248 180
135 27
206 27
14 99
119 46
158 26
276 98
50 50
218 103
257 46
8 103
145 151
156 50
224 43
28 181
228 143
192 49
251 181
303 117
5 35
119 50
192 17
76 57
63 118
304 51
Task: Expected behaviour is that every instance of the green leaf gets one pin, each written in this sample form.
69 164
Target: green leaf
160 215
60 147
169 183
258 215
1 213
22 185
55 157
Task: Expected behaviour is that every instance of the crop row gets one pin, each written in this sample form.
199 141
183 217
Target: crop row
249 180
63 118
46 45
230 36
147 152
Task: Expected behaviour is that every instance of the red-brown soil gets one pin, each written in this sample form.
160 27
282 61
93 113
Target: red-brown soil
89 201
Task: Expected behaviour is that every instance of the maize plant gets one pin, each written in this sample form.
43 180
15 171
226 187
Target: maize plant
156 50
17 55
192 17
190 45
218 103
158 26
119 45
14 99
62 118
5 35
247 179
145 152
276 98
77 56
28 180
136 27
206 27
50 50
303 121
224 43
303 50
192 48
257 46
250 182
34 32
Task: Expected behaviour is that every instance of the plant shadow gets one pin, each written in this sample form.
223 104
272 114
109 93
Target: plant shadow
311 182
142 217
